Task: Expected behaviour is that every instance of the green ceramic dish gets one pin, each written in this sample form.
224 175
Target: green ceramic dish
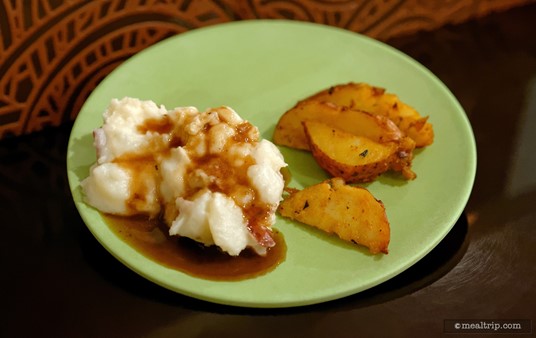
261 68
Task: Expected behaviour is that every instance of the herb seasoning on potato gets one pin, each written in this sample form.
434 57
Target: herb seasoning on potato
355 132
352 213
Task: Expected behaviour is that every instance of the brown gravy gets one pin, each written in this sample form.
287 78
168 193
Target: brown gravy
150 237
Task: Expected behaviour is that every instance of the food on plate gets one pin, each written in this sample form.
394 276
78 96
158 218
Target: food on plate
356 158
350 212
207 174
376 100
355 131
289 129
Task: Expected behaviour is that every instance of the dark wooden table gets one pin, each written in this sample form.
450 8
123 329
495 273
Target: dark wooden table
57 281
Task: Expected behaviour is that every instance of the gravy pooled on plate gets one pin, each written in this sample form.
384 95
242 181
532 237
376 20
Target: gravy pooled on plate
150 237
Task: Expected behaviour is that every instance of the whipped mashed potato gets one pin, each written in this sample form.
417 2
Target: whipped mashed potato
208 175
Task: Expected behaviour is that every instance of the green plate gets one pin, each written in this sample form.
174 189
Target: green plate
261 69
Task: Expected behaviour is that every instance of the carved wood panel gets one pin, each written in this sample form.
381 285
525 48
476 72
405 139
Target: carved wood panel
54 52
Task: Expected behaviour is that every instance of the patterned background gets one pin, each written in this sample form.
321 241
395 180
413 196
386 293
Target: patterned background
54 52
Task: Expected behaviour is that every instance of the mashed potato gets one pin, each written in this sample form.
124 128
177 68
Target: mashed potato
208 174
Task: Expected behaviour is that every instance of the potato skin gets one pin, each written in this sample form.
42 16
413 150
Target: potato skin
289 130
355 132
355 158
352 213
376 100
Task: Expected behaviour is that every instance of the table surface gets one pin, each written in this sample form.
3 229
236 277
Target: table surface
58 281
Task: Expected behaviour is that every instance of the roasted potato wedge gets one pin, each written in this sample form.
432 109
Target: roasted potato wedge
375 100
352 213
289 130
356 158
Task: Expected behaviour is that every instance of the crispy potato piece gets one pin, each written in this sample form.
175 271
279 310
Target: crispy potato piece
289 130
356 158
352 213
375 100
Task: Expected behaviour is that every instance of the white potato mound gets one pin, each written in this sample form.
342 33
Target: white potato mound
119 135
208 174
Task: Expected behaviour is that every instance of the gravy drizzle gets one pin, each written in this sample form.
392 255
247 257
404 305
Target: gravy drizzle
149 235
